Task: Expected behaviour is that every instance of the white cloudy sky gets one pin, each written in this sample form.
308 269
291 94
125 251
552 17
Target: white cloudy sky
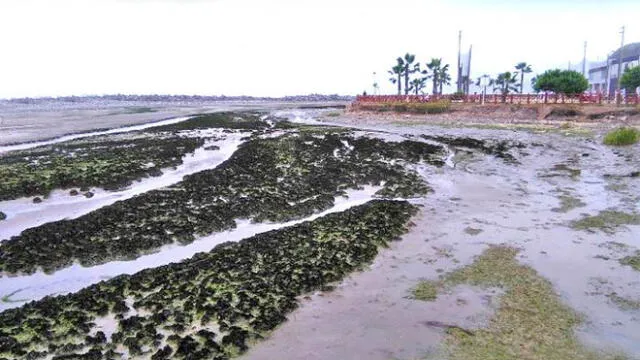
279 47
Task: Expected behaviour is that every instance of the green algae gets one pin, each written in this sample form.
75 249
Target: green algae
531 322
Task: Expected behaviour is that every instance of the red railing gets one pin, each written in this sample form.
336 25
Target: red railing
542 98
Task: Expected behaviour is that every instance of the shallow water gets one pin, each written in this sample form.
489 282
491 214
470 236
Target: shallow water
76 277
30 145
23 213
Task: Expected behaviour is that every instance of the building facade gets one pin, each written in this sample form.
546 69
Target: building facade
603 76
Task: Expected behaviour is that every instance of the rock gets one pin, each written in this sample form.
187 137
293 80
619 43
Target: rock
73 192
37 200
88 194
3 216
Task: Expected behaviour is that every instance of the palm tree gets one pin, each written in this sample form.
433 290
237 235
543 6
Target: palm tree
418 84
408 70
434 65
396 74
443 77
523 68
505 83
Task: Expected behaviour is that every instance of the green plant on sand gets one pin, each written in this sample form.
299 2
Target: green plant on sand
531 321
622 136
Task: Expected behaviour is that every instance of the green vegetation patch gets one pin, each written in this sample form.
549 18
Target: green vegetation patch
608 221
436 107
425 291
632 260
531 322
568 203
225 120
110 162
274 179
622 136
212 306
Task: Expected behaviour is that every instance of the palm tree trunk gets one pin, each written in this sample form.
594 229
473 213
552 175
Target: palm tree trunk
399 84
406 80
521 82
435 84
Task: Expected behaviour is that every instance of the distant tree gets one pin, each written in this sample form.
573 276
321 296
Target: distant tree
396 74
562 82
435 66
505 83
523 68
533 83
443 77
630 80
418 84
409 68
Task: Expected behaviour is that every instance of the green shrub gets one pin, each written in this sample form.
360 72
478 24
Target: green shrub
622 136
437 107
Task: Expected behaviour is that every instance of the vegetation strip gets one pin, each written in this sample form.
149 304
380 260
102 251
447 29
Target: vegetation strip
267 179
608 221
531 321
212 306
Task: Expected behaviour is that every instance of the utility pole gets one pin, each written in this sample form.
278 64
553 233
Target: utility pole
620 58
584 60
459 81
467 83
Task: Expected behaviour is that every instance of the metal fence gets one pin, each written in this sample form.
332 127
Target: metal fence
542 98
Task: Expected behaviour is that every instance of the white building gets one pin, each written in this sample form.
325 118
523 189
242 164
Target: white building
603 76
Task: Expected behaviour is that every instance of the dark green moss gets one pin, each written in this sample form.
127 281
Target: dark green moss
109 162
243 289
275 179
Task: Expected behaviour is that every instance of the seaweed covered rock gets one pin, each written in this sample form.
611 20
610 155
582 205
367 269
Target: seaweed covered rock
498 148
213 305
274 179
110 162
3 216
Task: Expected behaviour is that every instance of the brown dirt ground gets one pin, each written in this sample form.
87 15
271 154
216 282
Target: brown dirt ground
535 114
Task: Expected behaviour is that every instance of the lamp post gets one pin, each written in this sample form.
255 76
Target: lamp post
484 82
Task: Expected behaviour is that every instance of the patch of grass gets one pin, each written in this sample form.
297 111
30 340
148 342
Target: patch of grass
632 260
622 136
425 291
608 221
568 203
531 321
333 114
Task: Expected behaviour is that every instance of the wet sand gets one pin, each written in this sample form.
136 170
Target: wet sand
371 315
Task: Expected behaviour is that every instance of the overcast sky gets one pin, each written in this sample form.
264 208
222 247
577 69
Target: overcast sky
283 47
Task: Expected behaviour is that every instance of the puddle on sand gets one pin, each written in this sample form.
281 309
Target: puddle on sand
76 277
23 213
